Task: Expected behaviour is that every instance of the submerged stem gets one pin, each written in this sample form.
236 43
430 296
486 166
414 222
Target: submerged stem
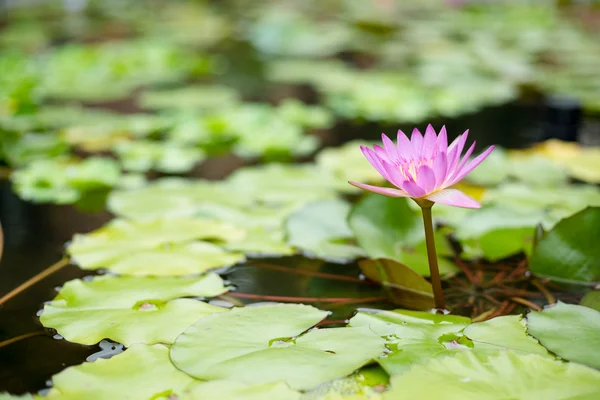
32 281
436 281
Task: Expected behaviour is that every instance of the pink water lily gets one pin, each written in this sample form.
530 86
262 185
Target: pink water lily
424 167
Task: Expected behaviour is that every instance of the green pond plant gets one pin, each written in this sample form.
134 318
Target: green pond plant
424 168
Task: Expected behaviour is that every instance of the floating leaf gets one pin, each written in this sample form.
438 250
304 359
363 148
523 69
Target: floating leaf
362 385
408 288
581 162
142 156
505 332
591 300
172 198
139 373
189 98
7 396
181 259
348 163
319 230
262 242
504 375
413 337
570 252
265 344
278 183
108 245
570 331
386 227
130 309
233 390
64 181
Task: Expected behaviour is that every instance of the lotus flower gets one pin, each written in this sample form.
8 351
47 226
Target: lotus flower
424 167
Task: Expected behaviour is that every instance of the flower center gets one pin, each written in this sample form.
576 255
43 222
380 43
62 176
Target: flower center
409 168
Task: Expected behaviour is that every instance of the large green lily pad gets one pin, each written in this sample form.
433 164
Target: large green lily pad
570 331
121 238
233 390
266 344
570 251
320 229
140 373
500 376
415 337
171 198
386 227
190 258
130 309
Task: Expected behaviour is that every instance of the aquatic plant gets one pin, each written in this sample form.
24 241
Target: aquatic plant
424 168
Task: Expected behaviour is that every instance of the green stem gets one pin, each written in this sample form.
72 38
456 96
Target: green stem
436 281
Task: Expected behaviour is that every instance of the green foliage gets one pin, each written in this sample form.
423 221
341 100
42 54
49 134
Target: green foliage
320 230
233 390
63 180
501 375
130 309
273 347
570 331
387 227
415 337
141 372
146 248
569 252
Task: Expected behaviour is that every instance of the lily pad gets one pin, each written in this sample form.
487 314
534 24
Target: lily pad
142 156
140 373
262 242
570 251
281 184
171 198
505 375
387 227
180 259
505 332
266 344
130 309
348 163
413 337
570 331
233 390
120 238
407 288
189 98
64 181
320 230
591 300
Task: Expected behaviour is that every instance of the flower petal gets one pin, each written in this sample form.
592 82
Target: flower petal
426 178
464 160
390 149
394 176
413 189
429 142
404 147
440 166
454 150
442 141
472 165
374 159
380 190
416 140
453 197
